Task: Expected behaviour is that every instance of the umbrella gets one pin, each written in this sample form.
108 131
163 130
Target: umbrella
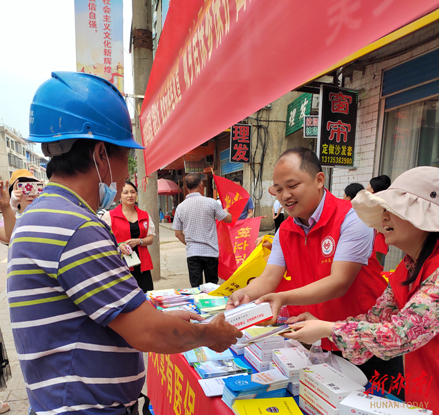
167 187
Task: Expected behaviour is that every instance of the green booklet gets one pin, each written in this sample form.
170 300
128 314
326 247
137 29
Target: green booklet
211 303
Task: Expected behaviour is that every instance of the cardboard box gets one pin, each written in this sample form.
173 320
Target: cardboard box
290 361
263 355
275 342
293 388
317 402
329 384
254 360
358 402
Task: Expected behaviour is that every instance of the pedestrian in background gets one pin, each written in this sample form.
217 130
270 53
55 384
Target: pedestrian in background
195 226
248 211
351 190
378 184
133 228
278 214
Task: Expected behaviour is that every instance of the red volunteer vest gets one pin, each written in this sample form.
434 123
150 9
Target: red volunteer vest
121 230
310 259
424 362
380 243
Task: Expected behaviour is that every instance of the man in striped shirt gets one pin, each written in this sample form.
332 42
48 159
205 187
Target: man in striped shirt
78 317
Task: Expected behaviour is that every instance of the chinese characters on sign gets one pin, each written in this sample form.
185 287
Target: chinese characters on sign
311 126
338 121
240 135
296 112
99 39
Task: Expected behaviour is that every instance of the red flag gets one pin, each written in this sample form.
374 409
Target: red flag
235 243
233 196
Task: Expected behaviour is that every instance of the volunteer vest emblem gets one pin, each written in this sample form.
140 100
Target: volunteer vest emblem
328 246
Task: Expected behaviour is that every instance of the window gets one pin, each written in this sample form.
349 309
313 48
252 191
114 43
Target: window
410 139
7 142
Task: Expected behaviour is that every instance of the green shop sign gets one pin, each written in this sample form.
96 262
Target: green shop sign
296 111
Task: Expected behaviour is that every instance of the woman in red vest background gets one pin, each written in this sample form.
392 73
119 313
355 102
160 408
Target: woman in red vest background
133 226
405 319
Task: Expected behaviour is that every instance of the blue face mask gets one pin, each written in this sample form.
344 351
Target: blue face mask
106 194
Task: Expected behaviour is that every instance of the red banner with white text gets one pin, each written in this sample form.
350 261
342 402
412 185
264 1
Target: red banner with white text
218 61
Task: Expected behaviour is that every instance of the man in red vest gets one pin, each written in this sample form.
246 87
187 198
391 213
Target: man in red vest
325 250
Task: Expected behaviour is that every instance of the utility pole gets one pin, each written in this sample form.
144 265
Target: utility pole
142 64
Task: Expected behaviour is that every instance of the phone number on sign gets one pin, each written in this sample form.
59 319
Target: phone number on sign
337 160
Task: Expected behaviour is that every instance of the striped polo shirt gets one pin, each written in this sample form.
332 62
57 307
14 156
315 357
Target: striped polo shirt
66 283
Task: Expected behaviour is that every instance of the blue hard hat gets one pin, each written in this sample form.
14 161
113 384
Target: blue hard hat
74 105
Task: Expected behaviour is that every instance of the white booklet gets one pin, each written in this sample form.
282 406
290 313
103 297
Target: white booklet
132 260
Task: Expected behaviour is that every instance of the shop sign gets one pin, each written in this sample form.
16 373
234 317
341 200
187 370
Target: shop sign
240 135
194 166
311 126
338 122
296 112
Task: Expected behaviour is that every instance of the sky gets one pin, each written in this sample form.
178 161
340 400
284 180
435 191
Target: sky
37 37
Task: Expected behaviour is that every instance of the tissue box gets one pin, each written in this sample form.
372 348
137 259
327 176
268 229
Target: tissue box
290 361
317 402
361 403
328 383
254 360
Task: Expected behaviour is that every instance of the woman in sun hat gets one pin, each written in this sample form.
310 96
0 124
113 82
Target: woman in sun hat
405 319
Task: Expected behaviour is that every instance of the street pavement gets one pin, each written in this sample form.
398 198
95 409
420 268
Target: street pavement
174 274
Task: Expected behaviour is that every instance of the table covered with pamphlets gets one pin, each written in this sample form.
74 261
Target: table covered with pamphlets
262 373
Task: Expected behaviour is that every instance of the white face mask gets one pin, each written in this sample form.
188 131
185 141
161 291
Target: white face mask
106 194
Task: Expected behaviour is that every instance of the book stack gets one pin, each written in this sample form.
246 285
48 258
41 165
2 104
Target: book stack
269 384
322 388
281 406
163 299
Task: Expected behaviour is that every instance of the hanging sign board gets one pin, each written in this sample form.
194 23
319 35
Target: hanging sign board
296 112
310 126
338 123
240 135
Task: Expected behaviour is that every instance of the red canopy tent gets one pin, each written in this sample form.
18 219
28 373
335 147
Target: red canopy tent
219 61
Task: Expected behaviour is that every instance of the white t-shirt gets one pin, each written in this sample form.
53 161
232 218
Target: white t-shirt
276 207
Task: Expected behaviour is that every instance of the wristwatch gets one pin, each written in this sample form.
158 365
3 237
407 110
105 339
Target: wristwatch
141 241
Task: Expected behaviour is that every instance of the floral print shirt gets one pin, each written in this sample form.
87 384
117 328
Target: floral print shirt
387 332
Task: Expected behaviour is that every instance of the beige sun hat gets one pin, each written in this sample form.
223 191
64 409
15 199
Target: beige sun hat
413 196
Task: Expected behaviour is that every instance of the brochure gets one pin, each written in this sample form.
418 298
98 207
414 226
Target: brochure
220 368
281 406
204 354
